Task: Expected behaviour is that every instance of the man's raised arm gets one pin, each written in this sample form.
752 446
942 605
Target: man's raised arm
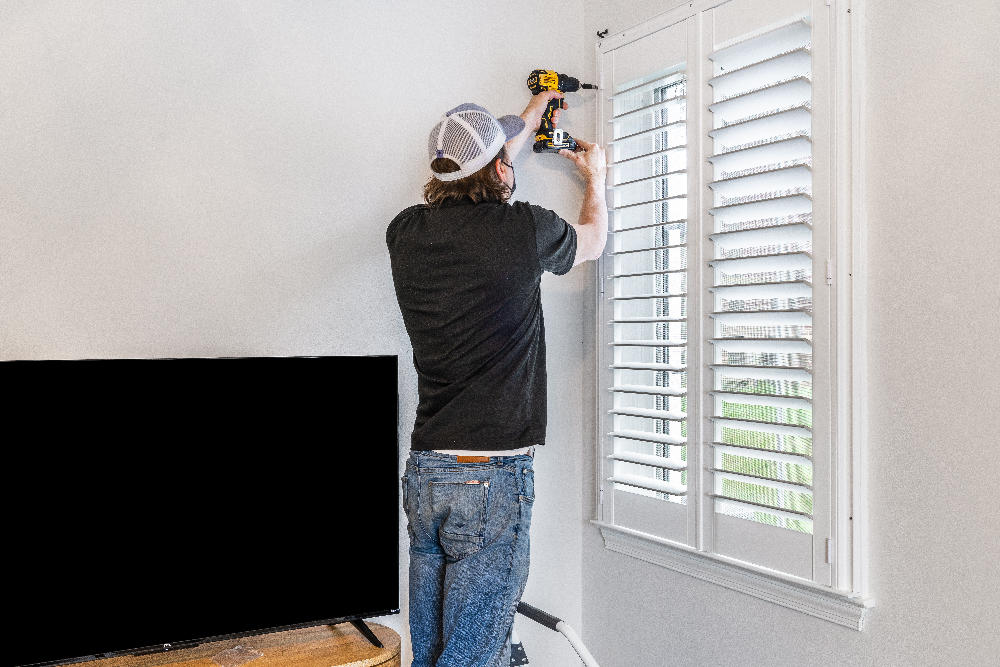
592 227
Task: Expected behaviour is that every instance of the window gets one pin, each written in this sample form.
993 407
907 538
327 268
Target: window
725 365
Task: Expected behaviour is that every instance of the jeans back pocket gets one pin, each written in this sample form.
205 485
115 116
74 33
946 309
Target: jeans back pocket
461 508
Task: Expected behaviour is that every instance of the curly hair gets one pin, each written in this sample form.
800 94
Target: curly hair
484 185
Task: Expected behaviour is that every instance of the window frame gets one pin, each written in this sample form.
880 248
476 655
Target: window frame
847 600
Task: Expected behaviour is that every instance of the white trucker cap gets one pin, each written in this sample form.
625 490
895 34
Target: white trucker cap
471 136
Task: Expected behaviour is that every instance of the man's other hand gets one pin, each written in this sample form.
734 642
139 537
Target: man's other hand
591 161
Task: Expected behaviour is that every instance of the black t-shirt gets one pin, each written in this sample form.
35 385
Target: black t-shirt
468 282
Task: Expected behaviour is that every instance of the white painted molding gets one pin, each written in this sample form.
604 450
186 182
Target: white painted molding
837 607
861 541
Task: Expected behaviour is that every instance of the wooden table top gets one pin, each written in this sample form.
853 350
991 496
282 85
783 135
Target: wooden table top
320 646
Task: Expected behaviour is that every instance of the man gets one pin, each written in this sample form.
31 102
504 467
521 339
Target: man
467 268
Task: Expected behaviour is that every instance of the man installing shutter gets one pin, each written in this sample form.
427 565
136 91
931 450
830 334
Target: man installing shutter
467 269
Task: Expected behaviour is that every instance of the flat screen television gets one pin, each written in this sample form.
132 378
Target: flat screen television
162 502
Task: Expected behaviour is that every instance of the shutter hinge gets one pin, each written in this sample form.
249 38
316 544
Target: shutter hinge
600 509
829 273
829 3
829 550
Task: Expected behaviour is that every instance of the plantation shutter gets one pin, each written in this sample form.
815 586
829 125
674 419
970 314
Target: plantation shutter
708 405
762 293
646 272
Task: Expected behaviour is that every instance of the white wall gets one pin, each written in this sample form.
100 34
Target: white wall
215 178
932 202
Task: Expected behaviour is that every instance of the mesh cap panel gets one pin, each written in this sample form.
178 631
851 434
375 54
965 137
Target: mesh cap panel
460 143
485 125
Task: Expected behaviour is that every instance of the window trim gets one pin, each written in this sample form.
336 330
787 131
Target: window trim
842 608
848 602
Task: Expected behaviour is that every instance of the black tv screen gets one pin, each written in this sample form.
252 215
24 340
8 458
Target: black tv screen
172 501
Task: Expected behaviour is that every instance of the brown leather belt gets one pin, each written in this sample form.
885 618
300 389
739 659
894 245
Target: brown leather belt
473 459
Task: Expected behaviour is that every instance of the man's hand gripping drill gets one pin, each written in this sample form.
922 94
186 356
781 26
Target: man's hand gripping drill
549 138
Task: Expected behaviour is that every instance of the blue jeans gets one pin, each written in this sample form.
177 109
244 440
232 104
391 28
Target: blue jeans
469 528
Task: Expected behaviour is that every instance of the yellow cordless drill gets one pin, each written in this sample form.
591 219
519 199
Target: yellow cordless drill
549 138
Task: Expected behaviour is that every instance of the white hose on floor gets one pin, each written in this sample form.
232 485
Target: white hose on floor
577 644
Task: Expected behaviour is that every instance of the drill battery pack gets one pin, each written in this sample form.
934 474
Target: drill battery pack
554 141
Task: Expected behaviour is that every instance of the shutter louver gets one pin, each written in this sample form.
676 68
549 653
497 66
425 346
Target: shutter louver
648 280
762 289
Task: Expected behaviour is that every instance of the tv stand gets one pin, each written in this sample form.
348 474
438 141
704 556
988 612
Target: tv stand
363 628
341 645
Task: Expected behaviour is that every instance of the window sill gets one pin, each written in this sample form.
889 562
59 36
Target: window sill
837 607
